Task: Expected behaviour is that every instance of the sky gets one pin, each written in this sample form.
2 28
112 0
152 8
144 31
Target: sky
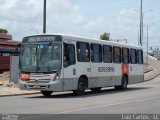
87 18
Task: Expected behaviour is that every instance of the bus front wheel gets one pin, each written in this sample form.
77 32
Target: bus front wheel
46 93
80 88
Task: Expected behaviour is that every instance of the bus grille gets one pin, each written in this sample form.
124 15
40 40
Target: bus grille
39 81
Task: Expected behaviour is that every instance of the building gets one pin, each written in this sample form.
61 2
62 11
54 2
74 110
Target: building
8 47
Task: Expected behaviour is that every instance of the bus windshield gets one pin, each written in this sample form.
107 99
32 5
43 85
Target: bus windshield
40 57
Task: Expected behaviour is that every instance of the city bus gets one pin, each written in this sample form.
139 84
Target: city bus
53 63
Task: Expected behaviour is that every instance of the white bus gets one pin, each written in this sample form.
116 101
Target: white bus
52 63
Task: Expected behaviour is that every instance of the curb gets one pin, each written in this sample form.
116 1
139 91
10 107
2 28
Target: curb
152 77
148 71
19 94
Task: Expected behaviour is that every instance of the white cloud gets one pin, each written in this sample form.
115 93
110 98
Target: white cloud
128 19
64 16
18 16
129 23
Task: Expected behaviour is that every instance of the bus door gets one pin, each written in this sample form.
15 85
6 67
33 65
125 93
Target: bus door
83 64
69 62
83 61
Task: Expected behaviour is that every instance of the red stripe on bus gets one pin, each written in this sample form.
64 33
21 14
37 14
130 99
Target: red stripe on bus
125 69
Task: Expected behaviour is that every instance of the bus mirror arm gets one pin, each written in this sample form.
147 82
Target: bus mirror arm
18 48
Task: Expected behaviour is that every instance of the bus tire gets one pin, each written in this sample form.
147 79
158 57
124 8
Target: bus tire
46 93
123 85
81 87
96 89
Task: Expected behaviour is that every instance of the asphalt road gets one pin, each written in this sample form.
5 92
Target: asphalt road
142 98
139 98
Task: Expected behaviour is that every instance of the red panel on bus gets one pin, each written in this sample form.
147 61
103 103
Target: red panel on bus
125 69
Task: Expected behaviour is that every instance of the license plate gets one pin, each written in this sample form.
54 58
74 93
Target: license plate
36 86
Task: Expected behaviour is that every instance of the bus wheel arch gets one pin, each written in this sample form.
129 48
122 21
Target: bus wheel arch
85 79
82 85
124 83
126 77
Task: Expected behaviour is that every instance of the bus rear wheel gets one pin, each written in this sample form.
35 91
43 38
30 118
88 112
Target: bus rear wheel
123 85
80 88
96 89
46 93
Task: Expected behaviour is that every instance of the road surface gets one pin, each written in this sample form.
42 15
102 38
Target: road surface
139 98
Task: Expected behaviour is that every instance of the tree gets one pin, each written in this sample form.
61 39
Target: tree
105 36
3 30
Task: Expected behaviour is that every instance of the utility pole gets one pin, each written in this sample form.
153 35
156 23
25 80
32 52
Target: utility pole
138 39
44 17
141 22
147 46
142 26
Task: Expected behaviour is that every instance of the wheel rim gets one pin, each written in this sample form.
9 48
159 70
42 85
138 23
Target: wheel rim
125 83
81 86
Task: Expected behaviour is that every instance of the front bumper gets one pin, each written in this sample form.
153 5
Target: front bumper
51 86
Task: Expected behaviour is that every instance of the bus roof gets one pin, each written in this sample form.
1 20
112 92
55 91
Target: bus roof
87 39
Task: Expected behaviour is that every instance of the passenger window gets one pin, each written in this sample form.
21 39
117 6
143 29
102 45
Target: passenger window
83 52
117 55
96 53
133 57
107 54
125 55
140 56
69 55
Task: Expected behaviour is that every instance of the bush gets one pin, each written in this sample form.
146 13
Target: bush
3 30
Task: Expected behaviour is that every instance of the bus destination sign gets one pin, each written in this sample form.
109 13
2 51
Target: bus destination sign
41 39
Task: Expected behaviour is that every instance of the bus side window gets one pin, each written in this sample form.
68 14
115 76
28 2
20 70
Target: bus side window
117 54
107 54
133 56
69 55
125 55
96 53
83 52
140 56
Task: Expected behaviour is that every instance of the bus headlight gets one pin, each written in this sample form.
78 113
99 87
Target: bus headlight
25 77
57 76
